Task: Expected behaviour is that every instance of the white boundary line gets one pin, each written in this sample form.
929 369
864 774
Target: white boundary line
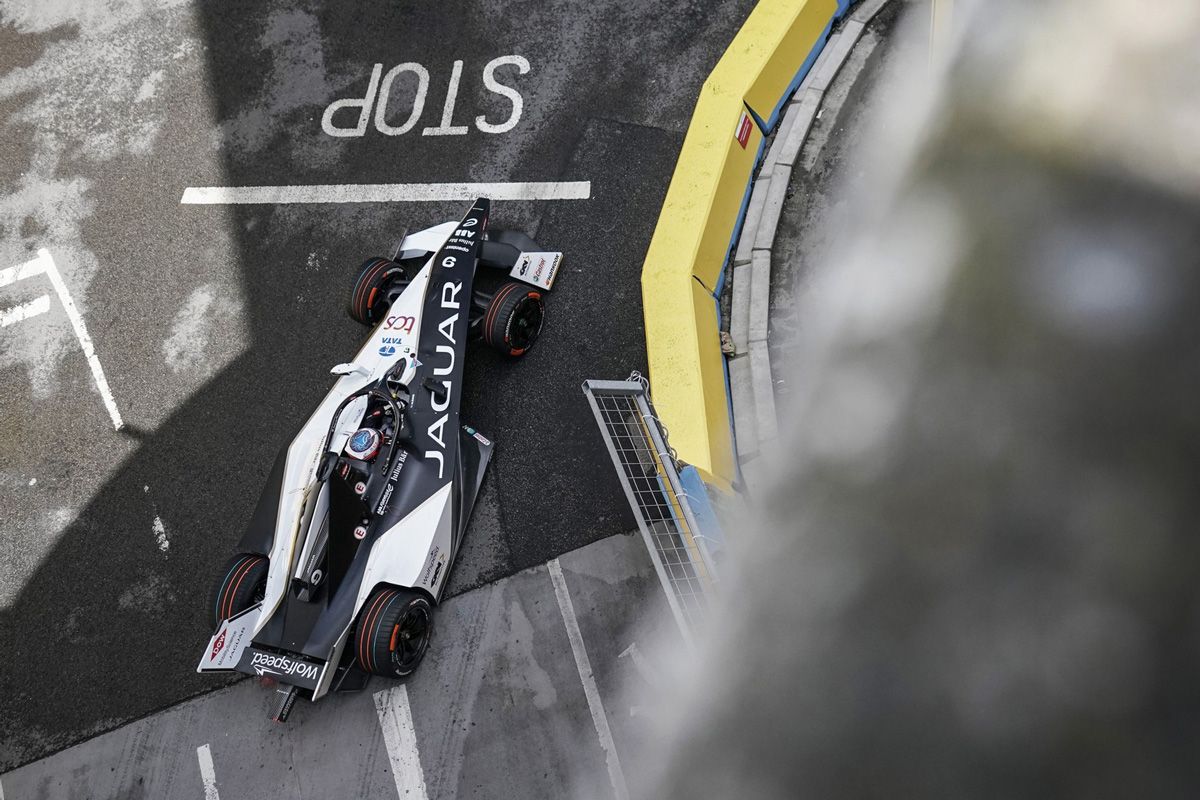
24 311
588 679
207 773
395 718
85 341
384 192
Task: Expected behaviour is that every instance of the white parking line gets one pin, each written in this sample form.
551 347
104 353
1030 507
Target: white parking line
24 311
384 193
395 718
44 263
207 773
588 679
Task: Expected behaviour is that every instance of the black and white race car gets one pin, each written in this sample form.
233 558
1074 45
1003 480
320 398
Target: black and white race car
364 511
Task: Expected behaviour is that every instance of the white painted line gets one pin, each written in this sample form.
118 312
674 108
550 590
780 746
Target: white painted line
385 192
85 341
1 790
590 691
207 773
395 718
22 271
25 311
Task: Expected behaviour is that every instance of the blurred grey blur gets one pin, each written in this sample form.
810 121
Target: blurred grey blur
977 576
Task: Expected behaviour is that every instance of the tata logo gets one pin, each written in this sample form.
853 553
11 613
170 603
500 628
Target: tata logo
387 350
393 340
400 323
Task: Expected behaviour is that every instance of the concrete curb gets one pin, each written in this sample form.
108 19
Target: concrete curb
752 386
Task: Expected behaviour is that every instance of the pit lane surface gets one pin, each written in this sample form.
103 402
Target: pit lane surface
216 325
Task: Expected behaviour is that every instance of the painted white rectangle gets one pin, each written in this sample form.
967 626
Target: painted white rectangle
400 737
22 271
24 311
384 192
588 679
207 773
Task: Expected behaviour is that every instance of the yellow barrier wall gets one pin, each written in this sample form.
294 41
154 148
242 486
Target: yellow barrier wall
772 45
697 223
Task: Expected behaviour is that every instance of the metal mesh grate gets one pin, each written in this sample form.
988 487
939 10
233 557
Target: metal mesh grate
648 474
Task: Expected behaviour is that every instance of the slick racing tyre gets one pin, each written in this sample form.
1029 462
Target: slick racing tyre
513 319
243 583
392 634
369 297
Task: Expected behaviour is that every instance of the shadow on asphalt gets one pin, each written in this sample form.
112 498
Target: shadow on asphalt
105 631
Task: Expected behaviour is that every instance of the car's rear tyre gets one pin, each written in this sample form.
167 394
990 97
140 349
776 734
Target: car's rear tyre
369 298
242 584
513 319
393 630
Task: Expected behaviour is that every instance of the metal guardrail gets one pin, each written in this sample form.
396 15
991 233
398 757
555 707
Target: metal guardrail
649 474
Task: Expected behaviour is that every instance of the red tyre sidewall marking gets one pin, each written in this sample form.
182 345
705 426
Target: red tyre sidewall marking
495 309
367 644
395 597
250 562
365 281
225 587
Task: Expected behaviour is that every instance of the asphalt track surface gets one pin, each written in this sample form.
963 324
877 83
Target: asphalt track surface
216 325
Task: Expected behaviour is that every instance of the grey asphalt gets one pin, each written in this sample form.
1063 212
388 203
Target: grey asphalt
826 196
498 708
216 326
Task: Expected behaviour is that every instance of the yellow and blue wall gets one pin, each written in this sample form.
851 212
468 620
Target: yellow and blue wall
739 106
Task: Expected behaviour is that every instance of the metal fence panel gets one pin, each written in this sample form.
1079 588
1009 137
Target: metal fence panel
649 475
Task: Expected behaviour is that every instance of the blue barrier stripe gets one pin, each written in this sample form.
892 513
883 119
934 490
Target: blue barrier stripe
702 510
737 226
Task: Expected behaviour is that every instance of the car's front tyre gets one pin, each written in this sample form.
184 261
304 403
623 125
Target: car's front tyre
369 298
513 319
243 583
392 633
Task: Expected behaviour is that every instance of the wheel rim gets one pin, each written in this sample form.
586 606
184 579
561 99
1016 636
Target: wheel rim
525 324
412 637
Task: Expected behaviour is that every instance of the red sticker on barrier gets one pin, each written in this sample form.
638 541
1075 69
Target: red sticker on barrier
743 131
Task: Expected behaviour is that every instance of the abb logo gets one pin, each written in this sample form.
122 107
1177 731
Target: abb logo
400 324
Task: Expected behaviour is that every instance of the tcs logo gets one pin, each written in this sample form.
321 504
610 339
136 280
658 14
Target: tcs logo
399 323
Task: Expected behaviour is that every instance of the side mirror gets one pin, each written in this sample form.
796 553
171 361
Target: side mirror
349 369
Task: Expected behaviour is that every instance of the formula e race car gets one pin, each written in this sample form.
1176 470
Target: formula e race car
363 514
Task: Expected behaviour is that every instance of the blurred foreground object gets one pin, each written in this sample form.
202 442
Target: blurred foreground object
978 574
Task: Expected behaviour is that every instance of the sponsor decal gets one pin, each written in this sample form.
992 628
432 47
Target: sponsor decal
360 487
538 269
437 571
282 665
383 501
387 350
360 531
392 340
743 130
450 308
483 439
399 323
401 457
427 573
218 645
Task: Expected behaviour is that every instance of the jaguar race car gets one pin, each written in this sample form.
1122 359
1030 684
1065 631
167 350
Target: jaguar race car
364 511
